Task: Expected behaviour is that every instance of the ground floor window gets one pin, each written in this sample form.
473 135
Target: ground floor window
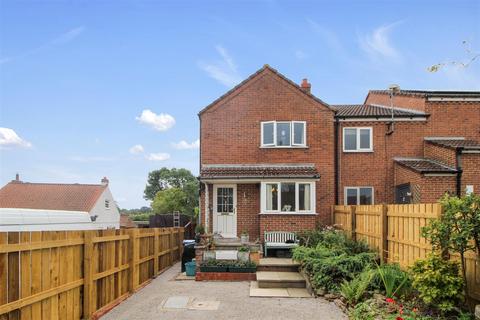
358 195
288 197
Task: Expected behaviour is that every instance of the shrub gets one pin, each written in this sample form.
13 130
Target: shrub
391 279
354 290
367 310
438 282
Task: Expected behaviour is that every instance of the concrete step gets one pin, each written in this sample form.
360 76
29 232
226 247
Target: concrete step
278 265
255 291
272 279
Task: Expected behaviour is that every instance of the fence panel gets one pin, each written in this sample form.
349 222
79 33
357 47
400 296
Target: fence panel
78 274
368 225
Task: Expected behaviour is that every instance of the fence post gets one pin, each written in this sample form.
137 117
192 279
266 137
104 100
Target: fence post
384 233
172 252
332 215
88 300
181 235
133 255
353 223
156 251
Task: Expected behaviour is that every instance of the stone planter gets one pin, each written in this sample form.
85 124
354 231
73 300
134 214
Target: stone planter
213 268
209 255
243 256
242 269
244 239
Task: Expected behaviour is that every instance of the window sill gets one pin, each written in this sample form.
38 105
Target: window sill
284 147
289 213
357 151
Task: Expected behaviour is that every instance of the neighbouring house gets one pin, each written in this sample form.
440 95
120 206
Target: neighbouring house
273 157
26 206
126 222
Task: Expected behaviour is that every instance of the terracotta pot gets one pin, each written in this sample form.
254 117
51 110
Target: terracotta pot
255 257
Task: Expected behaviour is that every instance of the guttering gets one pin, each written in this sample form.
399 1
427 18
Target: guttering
458 160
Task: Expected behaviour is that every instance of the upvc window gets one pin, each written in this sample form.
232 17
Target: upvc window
283 134
288 197
357 139
358 195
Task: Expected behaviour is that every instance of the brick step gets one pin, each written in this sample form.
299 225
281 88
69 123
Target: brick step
272 279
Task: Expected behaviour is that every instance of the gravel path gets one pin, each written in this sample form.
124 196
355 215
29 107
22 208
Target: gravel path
235 302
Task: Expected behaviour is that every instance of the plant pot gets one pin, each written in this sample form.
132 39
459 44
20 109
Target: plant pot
255 257
213 268
243 256
242 269
244 239
209 255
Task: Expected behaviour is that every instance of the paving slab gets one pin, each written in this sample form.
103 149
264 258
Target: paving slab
233 297
278 262
176 302
204 305
272 276
255 291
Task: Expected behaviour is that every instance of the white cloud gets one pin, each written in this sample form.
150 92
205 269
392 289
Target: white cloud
377 44
224 70
158 156
160 122
9 138
183 145
59 40
136 149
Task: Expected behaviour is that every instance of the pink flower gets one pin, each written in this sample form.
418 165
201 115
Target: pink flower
390 300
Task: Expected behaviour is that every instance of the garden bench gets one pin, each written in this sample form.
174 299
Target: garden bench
278 240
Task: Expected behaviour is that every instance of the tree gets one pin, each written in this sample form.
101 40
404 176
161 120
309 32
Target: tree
170 200
165 178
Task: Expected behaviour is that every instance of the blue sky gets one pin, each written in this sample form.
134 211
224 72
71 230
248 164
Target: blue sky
112 88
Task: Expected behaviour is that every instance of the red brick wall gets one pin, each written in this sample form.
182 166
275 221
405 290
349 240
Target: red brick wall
230 131
471 171
454 119
402 101
375 169
442 154
248 208
286 222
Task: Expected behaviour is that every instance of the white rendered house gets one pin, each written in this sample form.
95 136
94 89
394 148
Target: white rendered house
28 206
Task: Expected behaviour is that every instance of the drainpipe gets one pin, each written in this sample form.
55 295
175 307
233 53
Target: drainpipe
458 160
336 164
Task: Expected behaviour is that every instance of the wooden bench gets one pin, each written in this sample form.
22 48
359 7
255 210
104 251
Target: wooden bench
278 240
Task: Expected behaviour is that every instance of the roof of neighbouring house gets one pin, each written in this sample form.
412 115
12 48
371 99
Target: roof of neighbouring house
246 171
265 68
375 111
50 196
126 222
423 165
433 93
455 143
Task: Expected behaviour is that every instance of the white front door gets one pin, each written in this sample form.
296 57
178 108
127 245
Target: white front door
225 210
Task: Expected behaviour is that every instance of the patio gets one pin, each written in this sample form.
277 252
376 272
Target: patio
215 300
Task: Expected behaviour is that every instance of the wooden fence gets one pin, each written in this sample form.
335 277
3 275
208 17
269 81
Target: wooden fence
394 231
79 274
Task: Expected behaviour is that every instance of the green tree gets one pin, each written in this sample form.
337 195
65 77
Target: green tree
170 200
165 178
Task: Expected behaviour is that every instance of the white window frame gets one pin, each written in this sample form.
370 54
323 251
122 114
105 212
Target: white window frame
292 135
358 149
263 200
358 194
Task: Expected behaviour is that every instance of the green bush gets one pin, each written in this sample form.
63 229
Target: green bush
353 291
367 310
438 282
392 280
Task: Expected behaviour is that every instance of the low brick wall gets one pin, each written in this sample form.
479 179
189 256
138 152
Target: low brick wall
225 276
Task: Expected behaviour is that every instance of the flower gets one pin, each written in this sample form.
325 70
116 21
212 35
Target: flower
399 318
415 309
390 300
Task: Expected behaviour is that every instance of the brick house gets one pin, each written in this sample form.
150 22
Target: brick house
273 157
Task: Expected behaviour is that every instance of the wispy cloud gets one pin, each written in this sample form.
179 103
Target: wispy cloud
300 55
91 159
136 149
59 40
378 44
224 70
158 156
328 36
159 122
10 139
184 145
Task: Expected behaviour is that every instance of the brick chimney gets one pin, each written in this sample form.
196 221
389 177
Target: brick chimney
105 181
305 86
17 179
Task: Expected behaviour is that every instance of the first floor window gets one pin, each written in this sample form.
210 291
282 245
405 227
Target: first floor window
358 195
107 204
357 139
288 196
283 134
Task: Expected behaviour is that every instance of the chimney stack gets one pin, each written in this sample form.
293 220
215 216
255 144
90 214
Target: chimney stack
306 86
105 181
17 179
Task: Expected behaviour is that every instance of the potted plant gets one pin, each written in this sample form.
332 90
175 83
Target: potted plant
243 254
255 254
199 231
213 266
244 238
243 267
